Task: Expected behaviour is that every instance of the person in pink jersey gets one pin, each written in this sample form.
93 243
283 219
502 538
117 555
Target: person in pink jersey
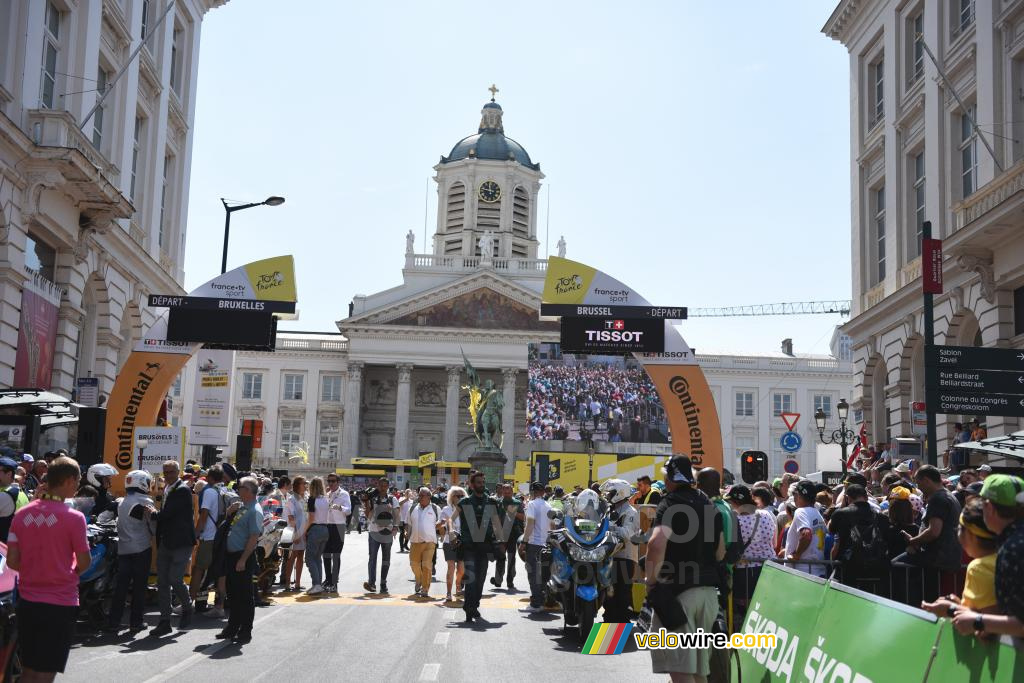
48 547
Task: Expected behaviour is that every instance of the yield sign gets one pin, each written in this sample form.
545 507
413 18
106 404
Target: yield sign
790 419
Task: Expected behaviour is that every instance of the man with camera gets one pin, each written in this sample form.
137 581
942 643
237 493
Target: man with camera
382 515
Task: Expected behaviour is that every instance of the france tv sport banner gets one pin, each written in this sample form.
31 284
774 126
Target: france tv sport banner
155 362
37 333
681 386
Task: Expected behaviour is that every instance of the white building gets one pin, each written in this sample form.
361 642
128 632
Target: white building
940 143
93 207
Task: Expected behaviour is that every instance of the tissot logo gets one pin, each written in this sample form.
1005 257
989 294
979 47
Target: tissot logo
614 324
569 284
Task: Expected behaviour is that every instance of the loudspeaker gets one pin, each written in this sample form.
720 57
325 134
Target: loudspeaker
92 424
243 453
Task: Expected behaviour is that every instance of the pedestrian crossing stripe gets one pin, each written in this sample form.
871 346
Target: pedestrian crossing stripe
607 639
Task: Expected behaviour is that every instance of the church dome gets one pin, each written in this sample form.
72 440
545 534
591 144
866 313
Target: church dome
490 142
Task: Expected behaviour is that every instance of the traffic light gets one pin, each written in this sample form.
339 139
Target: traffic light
754 466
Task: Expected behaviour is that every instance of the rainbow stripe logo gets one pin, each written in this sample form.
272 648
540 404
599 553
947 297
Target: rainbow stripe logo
607 639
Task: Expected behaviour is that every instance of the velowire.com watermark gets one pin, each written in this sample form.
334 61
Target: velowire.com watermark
703 640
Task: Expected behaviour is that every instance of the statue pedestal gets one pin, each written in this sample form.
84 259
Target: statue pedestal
492 463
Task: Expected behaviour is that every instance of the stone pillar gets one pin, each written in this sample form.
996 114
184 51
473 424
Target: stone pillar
451 413
402 411
508 414
69 326
353 402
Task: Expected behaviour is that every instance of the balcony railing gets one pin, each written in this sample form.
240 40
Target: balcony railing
447 263
987 198
51 128
336 345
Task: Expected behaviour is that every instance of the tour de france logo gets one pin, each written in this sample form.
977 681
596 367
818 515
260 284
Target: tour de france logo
270 280
569 284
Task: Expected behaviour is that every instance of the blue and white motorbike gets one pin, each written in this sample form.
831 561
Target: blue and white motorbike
581 560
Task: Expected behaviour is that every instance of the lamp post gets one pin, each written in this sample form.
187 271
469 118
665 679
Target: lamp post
842 436
141 443
229 209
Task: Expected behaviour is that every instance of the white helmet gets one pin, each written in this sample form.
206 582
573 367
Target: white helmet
588 505
139 479
99 470
616 490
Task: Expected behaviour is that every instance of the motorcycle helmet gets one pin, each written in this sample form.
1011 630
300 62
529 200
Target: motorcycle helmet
137 479
616 490
98 471
588 505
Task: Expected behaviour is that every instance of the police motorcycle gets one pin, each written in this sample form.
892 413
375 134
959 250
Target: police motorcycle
96 584
582 547
269 549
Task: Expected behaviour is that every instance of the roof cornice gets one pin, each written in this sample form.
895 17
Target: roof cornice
842 17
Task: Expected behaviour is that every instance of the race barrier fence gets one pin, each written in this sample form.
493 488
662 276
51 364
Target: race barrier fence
826 631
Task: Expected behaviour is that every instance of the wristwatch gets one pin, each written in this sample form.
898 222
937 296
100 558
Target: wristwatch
979 624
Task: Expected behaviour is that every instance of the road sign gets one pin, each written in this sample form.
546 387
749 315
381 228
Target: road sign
791 466
790 419
580 311
88 391
791 442
918 418
973 358
979 381
964 403
220 304
931 266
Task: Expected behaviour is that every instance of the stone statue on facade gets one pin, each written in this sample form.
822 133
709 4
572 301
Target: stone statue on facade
410 240
485 408
486 246
561 247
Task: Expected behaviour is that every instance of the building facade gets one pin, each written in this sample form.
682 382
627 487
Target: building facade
940 140
95 154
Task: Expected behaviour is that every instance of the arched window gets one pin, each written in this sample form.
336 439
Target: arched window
455 216
521 212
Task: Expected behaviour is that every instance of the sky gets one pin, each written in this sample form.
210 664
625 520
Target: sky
698 154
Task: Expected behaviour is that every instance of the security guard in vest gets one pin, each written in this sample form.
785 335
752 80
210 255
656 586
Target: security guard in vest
12 498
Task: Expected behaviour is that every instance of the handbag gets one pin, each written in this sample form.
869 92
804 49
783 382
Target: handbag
665 603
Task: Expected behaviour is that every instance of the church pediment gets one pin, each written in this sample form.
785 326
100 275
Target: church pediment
481 308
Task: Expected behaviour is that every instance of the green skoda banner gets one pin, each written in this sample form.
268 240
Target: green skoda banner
855 637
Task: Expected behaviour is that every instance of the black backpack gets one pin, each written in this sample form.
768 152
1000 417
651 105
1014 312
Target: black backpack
868 551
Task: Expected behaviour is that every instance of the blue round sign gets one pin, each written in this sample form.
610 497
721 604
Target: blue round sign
791 442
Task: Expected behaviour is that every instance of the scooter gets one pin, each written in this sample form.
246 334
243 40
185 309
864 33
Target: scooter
96 585
581 562
268 548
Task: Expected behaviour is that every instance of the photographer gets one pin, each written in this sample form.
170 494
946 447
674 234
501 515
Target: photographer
382 514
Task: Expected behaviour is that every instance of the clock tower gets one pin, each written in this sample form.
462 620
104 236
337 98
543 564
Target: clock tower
487 183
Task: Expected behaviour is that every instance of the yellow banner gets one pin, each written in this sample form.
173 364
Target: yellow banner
567 282
427 459
273 279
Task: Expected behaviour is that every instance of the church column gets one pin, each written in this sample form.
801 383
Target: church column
402 411
508 413
353 400
451 413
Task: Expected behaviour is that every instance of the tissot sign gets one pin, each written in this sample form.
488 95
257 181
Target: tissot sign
613 336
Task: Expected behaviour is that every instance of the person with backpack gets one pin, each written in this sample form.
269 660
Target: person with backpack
422 521
861 544
15 498
212 504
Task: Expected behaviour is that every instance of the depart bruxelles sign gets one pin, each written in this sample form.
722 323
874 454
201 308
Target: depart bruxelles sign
680 383
155 362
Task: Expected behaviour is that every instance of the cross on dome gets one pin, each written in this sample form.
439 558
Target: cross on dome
494 91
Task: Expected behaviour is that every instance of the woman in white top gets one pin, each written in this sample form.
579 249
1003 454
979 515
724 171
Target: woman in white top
453 553
318 510
757 535
295 513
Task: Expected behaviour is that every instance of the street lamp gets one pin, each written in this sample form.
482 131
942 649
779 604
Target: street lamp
269 201
842 436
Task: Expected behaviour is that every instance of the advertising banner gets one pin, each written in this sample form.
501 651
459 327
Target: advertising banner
37 333
680 383
211 404
830 646
162 444
612 335
155 362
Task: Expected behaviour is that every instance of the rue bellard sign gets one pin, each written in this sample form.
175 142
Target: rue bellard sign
967 380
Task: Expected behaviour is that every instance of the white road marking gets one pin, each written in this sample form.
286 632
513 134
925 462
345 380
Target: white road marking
206 653
442 639
429 672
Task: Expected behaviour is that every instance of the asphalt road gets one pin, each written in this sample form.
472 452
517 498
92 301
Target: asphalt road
365 637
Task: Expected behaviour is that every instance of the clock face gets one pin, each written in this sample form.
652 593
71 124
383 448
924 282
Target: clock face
489 191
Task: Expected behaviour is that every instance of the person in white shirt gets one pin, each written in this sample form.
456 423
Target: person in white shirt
403 521
452 553
805 539
206 530
339 505
535 535
421 522
296 514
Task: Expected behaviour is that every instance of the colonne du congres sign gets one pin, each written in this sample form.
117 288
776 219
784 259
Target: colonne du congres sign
968 380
